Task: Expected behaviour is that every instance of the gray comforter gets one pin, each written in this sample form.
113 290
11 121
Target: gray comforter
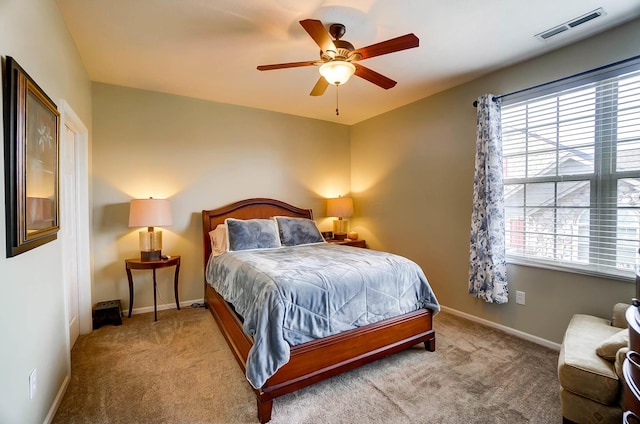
291 295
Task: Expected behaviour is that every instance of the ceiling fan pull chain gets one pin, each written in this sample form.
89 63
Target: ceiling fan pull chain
337 111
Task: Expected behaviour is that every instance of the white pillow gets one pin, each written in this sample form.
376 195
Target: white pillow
218 238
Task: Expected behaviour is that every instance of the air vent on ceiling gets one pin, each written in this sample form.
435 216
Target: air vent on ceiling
571 24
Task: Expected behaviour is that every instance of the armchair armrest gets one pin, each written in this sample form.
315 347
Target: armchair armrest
621 355
619 319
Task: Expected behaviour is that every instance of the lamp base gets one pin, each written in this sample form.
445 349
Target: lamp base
339 236
150 245
150 255
340 226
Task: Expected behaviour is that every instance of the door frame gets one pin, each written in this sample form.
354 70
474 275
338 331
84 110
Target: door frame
68 118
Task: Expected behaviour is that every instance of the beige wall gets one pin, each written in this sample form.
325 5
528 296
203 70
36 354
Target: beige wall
32 322
201 155
412 178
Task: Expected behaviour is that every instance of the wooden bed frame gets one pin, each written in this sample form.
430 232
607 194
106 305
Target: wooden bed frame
315 360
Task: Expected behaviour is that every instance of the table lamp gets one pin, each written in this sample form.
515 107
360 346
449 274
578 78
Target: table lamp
340 207
150 213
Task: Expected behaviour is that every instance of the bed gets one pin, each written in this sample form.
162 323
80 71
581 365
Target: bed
314 360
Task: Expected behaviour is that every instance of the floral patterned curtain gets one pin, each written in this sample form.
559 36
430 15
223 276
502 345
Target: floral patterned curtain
487 263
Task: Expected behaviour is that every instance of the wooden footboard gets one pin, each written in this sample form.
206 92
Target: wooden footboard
318 360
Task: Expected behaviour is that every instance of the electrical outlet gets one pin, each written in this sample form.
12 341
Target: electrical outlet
32 383
520 297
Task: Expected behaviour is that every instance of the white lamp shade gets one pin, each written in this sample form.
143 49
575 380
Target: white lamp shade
337 72
340 207
150 213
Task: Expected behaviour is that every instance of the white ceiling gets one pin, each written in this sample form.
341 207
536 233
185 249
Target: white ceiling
209 49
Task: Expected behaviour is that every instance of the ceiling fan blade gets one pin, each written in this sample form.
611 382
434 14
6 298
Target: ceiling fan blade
286 65
374 77
403 42
320 87
320 35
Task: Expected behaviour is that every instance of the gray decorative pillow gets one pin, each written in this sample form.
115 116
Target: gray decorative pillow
252 234
295 231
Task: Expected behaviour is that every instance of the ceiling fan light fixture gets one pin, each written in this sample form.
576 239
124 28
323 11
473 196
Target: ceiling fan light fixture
337 72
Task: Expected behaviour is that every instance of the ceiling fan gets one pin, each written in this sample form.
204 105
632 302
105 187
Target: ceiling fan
337 57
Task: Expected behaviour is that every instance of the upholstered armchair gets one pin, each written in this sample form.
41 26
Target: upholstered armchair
590 368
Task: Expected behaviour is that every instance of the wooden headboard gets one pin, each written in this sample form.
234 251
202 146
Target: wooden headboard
246 209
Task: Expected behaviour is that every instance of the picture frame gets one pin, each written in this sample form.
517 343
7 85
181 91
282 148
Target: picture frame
32 139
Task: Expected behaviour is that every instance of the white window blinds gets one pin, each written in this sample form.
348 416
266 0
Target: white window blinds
572 175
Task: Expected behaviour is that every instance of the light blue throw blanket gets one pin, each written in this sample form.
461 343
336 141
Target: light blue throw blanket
291 295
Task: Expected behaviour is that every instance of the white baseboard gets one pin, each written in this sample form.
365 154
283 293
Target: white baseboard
56 402
508 330
162 307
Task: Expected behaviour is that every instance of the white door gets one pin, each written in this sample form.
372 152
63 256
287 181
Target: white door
75 224
68 230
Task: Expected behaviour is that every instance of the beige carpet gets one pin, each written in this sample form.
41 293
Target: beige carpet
180 370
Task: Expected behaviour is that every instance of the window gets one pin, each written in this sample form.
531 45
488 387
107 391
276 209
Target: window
572 175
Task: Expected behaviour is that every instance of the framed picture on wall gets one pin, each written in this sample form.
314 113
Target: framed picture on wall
31 162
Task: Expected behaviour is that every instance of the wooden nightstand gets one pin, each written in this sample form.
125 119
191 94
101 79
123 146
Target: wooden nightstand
137 263
347 242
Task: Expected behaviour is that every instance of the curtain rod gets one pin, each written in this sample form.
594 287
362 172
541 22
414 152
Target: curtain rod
580 74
